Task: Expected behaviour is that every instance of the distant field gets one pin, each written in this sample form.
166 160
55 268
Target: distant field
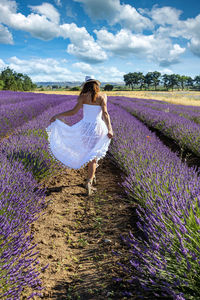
181 97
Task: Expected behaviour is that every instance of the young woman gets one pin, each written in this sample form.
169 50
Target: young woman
85 142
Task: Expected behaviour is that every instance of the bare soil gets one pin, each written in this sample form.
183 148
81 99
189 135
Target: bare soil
78 234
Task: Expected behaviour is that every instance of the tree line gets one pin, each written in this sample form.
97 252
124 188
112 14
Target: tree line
154 79
13 81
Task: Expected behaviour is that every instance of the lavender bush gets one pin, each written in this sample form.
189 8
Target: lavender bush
186 111
15 114
185 132
165 256
24 161
21 200
8 97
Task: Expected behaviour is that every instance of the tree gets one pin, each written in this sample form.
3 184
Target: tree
182 79
27 83
75 88
128 80
54 86
148 79
170 81
8 78
16 81
197 80
108 87
174 80
155 78
134 79
166 80
140 79
189 82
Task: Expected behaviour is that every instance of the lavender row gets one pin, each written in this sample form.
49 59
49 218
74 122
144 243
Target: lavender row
16 114
24 161
161 105
21 200
189 112
185 132
165 256
11 97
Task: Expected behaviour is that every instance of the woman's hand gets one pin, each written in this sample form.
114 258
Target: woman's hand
110 134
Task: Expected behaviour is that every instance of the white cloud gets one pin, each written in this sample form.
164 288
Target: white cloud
9 6
102 73
38 26
114 12
166 71
194 46
131 19
85 68
75 33
38 69
149 47
53 70
124 42
88 51
82 44
109 74
5 35
47 10
164 15
176 50
188 29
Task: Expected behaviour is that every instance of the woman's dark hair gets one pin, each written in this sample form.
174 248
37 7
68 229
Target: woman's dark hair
91 87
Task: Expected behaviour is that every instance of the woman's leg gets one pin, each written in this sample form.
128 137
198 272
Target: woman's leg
91 169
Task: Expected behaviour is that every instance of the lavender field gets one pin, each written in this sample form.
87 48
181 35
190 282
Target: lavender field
164 257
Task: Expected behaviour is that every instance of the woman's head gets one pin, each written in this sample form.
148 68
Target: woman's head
91 86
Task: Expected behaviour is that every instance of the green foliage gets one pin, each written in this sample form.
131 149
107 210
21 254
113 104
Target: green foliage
11 80
197 80
75 88
134 79
108 87
138 80
1 84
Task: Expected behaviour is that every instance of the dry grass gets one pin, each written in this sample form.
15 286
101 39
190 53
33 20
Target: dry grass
177 97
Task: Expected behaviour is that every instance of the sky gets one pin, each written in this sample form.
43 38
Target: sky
65 40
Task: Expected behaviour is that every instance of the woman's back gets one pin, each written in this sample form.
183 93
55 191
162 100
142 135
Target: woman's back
87 99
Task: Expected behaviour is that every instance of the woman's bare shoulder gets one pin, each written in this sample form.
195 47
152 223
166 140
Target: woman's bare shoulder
102 97
101 94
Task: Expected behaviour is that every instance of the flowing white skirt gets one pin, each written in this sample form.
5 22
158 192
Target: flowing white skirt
76 145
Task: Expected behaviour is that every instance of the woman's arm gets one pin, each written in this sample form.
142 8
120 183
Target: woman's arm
106 116
70 112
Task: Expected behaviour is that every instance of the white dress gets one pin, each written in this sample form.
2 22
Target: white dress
80 143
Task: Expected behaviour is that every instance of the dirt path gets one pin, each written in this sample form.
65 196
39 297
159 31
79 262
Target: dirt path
77 235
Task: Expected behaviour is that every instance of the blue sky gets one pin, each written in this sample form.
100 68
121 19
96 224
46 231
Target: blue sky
64 40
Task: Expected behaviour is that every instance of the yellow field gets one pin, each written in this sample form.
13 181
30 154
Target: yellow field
177 97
